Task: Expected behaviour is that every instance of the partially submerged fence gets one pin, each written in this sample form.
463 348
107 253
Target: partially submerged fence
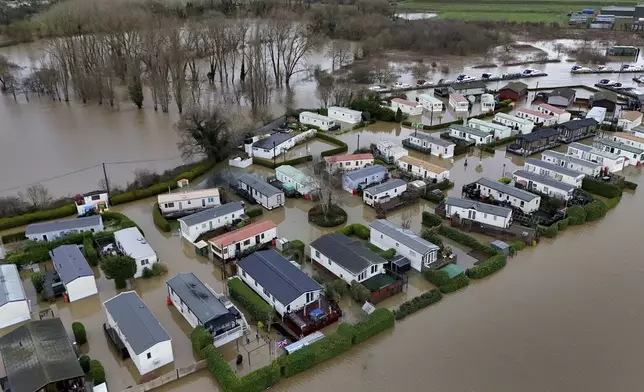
168 377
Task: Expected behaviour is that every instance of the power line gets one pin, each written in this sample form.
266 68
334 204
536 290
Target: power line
144 160
49 179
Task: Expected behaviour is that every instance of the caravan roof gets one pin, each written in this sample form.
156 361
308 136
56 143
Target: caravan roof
133 243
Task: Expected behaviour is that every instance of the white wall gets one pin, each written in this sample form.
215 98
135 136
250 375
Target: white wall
571 165
411 110
432 106
278 150
385 242
142 263
469 137
421 172
345 115
459 106
613 165
627 125
191 204
14 312
348 165
525 206
545 189
280 308
229 251
322 122
436 149
191 233
382 196
81 287
519 126
161 353
477 216
574 181
182 308
342 273
269 203
628 142
52 235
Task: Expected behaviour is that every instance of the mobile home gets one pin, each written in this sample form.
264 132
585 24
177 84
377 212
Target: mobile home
14 305
390 152
520 125
430 102
173 205
556 172
632 155
560 115
571 131
498 131
192 226
347 162
473 210
345 115
543 184
421 169
459 103
261 191
384 192
470 134
362 178
536 117
303 183
429 144
273 145
569 162
131 242
317 120
49 231
421 253
91 202
518 198
408 107
74 272
610 162
235 243
487 103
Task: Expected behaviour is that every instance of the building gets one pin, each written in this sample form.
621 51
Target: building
629 119
520 125
485 213
469 134
626 12
562 97
201 306
632 155
421 169
560 115
421 253
629 139
487 103
429 144
280 283
536 117
597 113
74 272
148 344
14 305
236 243
430 102
574 130
131 242
384 192
535 142
261 191
91 202
362 178
498 131
192 226
556 172
459 103
408 107
476 87
390 152
610 162
637 131
49 231
346 258
347 162
39 355
345 115
569 162
515 91
273 145
523 200
543 185
174 205
604 99
303 183
317 120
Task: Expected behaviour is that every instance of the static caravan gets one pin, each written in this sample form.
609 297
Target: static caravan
148 344
485 213
569 162
556 172
384 192
303 183
192 226
470 134
430 102
317 120
386 235
49 231
459 103
518 198
571 131
543 184
487 103
421 169
345 115
14 305
629 120
131 242
235 243
74 272
429 144
408 107
520 125
632 155
261 191
347 162
560 115
91 202
174 205
598 113
637 131
498 131
362 178
536 117
629 139
610 162
390 152
273 146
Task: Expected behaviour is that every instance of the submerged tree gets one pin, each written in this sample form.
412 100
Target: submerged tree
119 268
204 132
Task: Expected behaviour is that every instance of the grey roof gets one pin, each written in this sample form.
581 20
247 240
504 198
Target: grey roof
198 298
467 85
620 145
577 124
365 172
70 263
566 92
347 252
604 95
563 157
135 321
517 87
404 236
478 206
540 134
432 139
544 180
555 168
582 147
385 186
278 276
11 290
507 189
278 138
212 213
259 185
37 354
64 225
473 131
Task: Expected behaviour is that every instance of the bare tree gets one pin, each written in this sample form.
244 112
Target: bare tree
420 70
383 72
327 179
340 53
258 84
6 71
406 219
325 84
37 196
297 45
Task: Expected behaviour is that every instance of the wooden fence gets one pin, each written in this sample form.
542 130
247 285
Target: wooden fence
168 377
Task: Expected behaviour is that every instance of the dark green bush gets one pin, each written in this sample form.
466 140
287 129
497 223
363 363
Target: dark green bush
359 292
466 240
600 188
80 335
159 220
505 180
375 110
200 339
385 254
612 203
221 371
489 147
517 246
456 283
594 210
562 224
576 215
335 217
630 185
431 220
356 229
253 303
443 185
38 216
38 252
297 244
37 280
550 231
372 324
260 379
120 221
488 267
84 363
432 237
91 254
96 371
417 303
442 280
14 237
254 211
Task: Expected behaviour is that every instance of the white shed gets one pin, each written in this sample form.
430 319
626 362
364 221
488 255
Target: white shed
192 226
345 115
185 203
408 107
14 305
74 272
131 242
317 120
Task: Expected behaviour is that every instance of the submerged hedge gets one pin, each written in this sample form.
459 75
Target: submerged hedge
600 188
342 146
38 216
444 283
259 309
488 267
159 220
356 229
373 324
417 303
464 239
269 162
431 220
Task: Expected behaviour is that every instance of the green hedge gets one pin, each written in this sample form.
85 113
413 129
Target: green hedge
563 224
600 188
417 303
517 246
38 216
612 203
342 146
14 237
466 240
442 280
432 237
38 252
269 162
80 335
630 185
594 210
159 220
550 231
91 254
431 220
374 109
488 267
253 303
359 292
97 371
576 215
490 147
505 180
433 198
372 324
254 211
84 361
356 229
443 185
118 219
200 339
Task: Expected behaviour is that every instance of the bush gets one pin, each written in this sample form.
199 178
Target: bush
336 217
612 203
505 180
38 252
563 224
385 254
37 280
517 246
488 267
442 280
297 245
433 197
260 379
374 109
466 240
417 303
324 349
91 254
372 324
111 218
84 363
594 210
259 309
431 220
489 147
220 369
14 237
630 185
159 220
432 237
359 292
96 371
38 216
576 215
200 339
356 229
443 185
254 212
80 335
600 188
550 231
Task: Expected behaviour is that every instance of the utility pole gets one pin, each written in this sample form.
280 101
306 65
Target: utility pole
107 184
358 146
273 154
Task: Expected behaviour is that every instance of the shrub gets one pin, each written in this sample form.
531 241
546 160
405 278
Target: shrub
159 220
374 109
630 185
489 147
38 252
432 237
488 267
563 224
260 379
254 304
359 292
456 283
417 303
442 280
96 371
254 211
91 254
550 231
14 237
38 216
220 369
80 335
356 229
37 281
433 197
200 339
600 188
466 240
505 180
297 245
385 254
612 203
372 324
336 216
84 363
576 215
517 246
443 185
431 220
324 349
111 218
594 210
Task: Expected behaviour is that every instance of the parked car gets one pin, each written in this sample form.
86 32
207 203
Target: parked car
607 82
401 85
579 68
531 71
465 78
377 88
488 76
632 67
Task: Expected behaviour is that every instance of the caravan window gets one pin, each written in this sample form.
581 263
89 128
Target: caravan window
96 197
169 205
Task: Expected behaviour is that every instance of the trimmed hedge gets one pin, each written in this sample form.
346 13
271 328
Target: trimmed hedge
385 254
254 211
490 147
433 198
91 254
159 220
517 246
576 215
97 372
550 231
488 267
466 240
372 324
38 216
356 229
80 335
442 280
432 237
269 162
417 303
259 309
600 188
257 381
37 252
612 203
563 224
630 185
14 237
342 146
594 210
200 339
431 220
373 109
84 361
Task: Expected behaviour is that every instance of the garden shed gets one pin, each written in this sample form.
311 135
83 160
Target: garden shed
501 246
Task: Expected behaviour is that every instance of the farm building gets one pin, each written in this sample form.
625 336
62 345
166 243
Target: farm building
49 231
362 178
347 162
560 115
383 192
91 202
488 214
345 115
487 103
273 146
201 306
303 183
629 139
261 191
236 243
476 87
569 162
543 184
429 144
192 226
610 162
515 91
459 103
523 200
421 253
604 99
470 134
430 102
562 97
174 205
521 125
74 272
390 152
421 169
556 172
147 343
14 305
536 117
497 131
574 130
131 242
629 119
597 113
317 120
535 142
632 155
408 107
